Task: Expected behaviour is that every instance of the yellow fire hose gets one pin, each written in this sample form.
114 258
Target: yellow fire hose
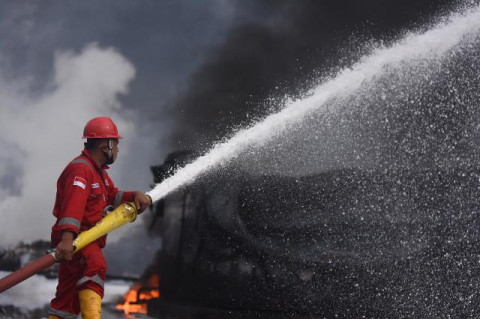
123 214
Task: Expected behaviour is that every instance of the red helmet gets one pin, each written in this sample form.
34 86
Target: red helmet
101 127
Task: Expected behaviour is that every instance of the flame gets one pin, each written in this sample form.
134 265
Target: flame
135 302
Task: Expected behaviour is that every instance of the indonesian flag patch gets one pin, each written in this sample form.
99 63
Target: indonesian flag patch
80 182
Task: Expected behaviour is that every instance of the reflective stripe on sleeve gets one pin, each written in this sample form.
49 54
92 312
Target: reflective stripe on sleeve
69 221
118 199
62 314
96 279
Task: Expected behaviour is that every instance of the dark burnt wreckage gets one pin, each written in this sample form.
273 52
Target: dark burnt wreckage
345 243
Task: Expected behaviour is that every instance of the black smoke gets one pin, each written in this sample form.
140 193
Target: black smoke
284 51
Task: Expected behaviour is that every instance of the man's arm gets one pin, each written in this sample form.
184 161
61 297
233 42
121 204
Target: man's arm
64 250
142 201
116 197
76 186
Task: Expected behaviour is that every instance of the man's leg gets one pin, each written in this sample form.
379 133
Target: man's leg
90 304
65 303
90 285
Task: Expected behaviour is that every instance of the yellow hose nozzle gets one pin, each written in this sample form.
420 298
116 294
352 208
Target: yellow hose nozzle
123 214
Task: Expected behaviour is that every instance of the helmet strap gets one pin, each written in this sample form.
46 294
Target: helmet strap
110 153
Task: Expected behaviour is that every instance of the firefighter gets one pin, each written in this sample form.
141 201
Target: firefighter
85 193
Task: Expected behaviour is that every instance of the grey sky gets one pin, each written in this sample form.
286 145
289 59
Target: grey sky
165 40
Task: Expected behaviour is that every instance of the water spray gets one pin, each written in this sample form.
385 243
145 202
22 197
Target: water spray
432 44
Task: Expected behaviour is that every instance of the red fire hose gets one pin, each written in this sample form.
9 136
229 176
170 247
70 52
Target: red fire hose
26 272
123 214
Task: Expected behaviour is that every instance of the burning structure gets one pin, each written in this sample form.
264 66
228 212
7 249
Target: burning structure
346 243
137 297
389 229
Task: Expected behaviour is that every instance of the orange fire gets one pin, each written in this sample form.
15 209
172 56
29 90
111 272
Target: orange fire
136 297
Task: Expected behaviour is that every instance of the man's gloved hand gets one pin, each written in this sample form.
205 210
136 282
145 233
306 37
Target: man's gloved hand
142 201
64 249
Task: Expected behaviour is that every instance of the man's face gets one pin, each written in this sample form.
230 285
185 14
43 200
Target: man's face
105 149
115 149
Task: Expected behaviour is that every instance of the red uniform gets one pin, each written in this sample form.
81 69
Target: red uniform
84 190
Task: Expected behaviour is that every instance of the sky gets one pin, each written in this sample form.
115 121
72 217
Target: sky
172 75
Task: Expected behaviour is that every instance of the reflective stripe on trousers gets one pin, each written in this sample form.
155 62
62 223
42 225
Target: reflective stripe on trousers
62 314
96 279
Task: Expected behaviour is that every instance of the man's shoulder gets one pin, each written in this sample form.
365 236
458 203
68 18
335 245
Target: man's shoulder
80 165
81 161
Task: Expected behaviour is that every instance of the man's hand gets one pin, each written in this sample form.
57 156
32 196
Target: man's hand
142 201
64 249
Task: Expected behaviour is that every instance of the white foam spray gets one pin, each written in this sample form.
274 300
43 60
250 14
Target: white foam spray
430 45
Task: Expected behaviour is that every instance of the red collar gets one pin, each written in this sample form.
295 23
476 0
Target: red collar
87 154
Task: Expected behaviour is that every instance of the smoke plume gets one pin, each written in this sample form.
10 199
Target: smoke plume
41 134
